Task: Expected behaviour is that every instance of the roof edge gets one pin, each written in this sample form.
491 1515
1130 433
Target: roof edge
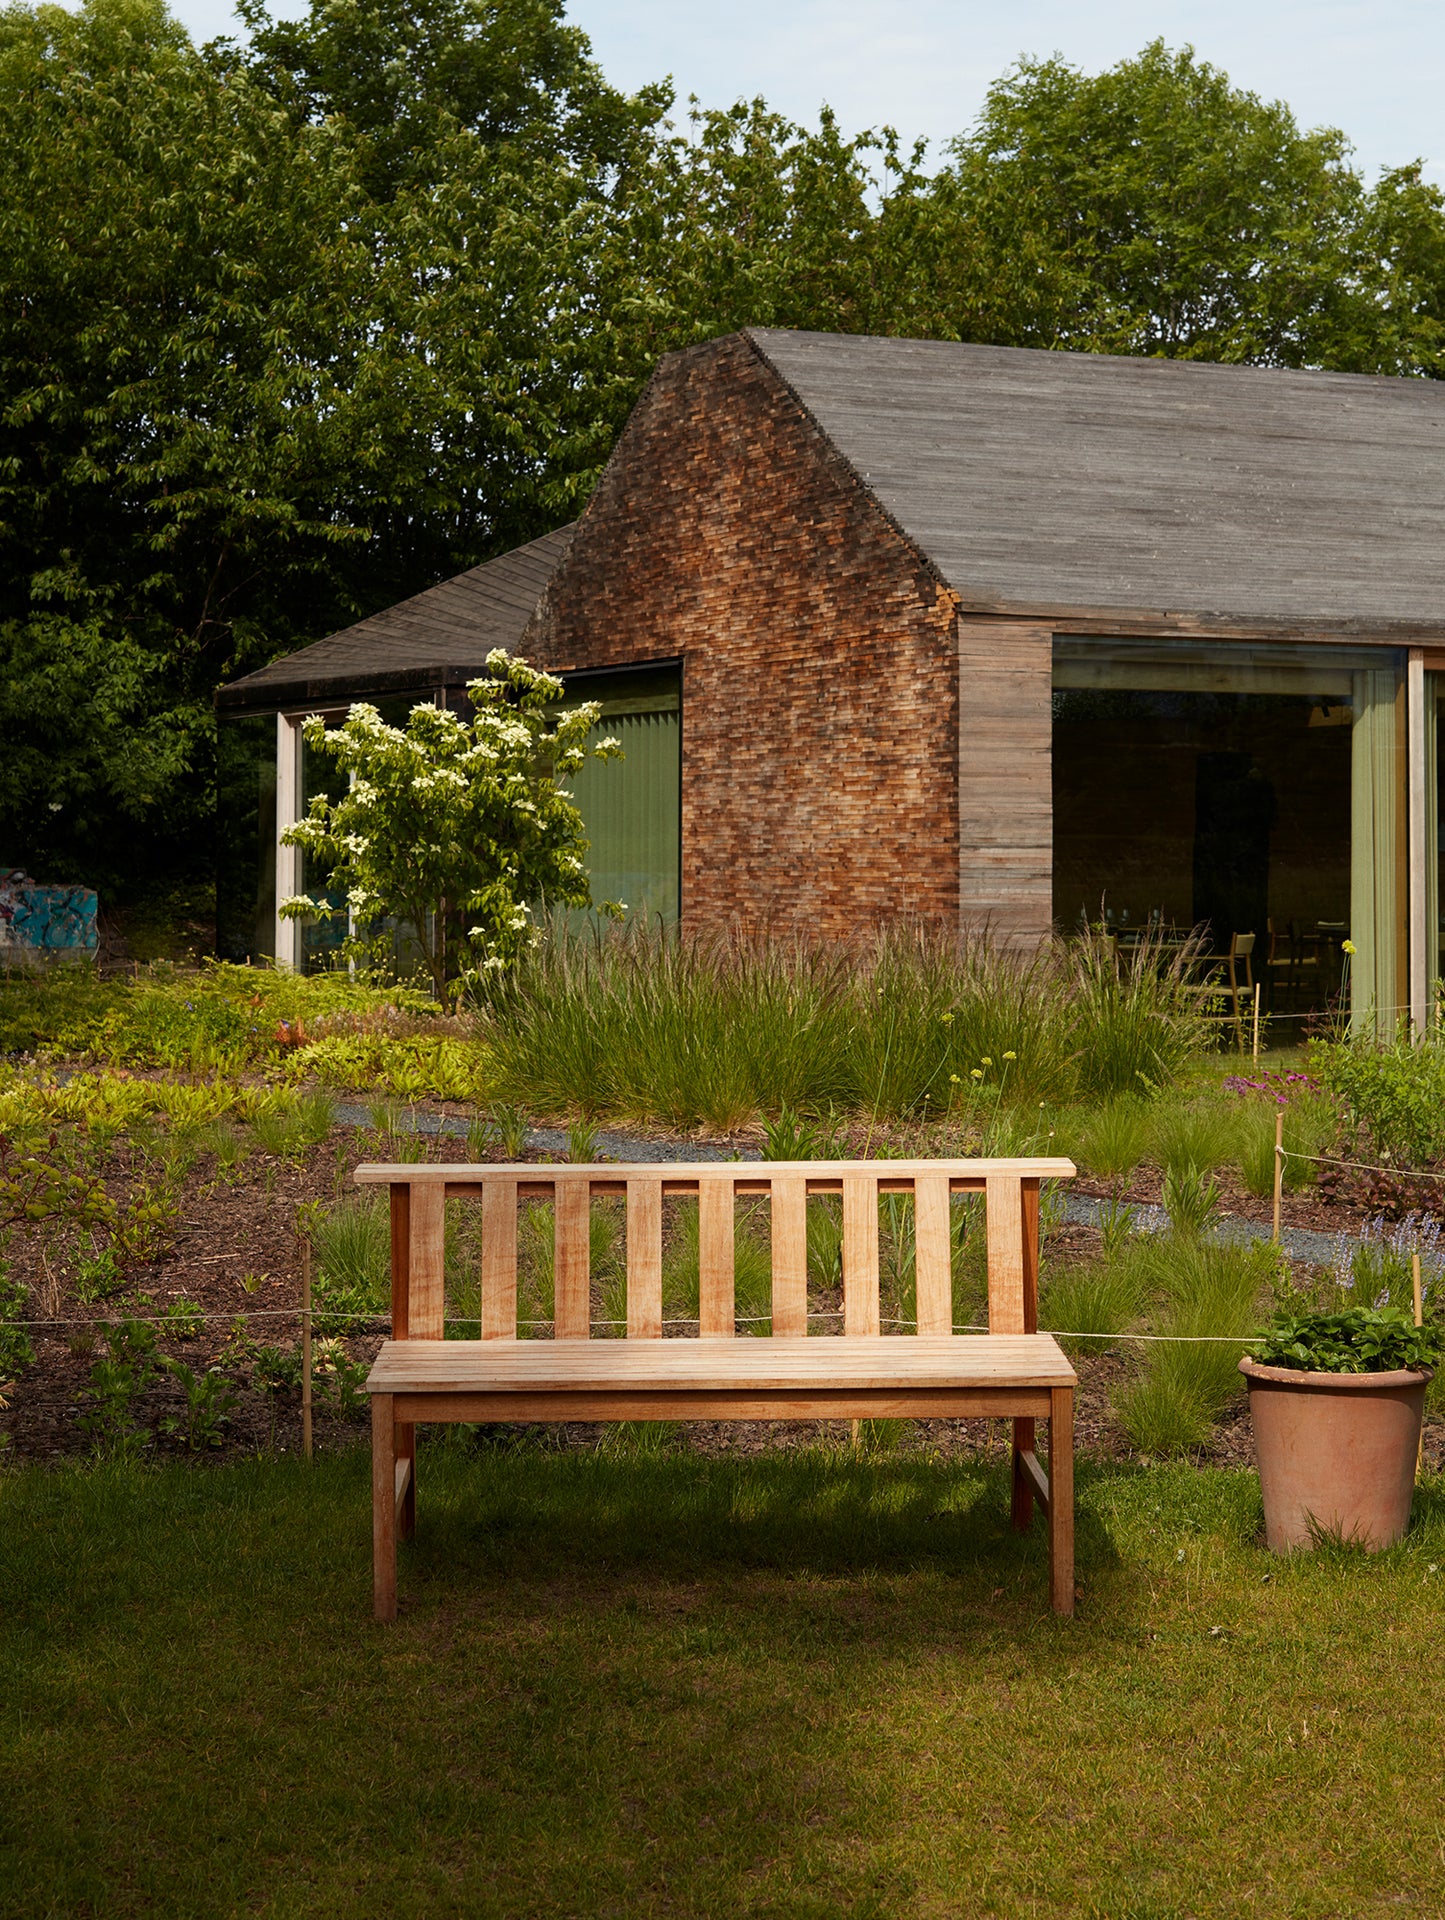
925 559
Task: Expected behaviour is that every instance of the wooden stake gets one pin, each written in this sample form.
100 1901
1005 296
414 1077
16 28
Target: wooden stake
1419 1322
306 1347
1278 1167
1256 1023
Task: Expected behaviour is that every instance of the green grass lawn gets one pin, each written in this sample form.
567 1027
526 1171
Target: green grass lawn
667 1684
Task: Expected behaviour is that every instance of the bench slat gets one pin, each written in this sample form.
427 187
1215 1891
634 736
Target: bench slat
715 1236
932 1256
860 1254
789 1238
1004 1203
822 1175
499 1260
572 1259
644 1259
876 1362
426 1317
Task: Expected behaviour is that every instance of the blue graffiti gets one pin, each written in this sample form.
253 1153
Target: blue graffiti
45 919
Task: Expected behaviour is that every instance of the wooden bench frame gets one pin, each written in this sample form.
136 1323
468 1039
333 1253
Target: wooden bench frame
1012 1372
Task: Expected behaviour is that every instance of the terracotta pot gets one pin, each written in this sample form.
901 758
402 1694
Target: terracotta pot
1337 1450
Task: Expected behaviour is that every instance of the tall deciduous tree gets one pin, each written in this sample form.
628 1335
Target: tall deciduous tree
1151 209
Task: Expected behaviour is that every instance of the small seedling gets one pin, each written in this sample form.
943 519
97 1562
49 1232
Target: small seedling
97 1275
210 1400
1190 1200
511 1128
582 1142
181 1319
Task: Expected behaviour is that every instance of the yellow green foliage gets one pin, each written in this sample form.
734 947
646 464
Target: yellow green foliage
411 1066
221 1020
116 1100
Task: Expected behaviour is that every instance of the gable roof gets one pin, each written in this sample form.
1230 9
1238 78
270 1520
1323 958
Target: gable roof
1040 482
438 638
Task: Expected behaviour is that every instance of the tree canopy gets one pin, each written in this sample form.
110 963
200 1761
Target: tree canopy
293 326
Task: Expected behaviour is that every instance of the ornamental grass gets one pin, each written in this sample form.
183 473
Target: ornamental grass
645 1029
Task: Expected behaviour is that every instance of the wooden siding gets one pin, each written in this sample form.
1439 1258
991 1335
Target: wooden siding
1005 800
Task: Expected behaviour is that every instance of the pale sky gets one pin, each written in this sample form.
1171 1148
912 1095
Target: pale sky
1375 70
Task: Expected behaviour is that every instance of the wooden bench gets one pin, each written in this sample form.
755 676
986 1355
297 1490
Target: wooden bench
1013 1371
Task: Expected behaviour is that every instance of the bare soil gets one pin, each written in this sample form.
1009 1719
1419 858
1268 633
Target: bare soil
236 1254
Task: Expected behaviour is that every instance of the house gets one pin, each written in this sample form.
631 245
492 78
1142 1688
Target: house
978 635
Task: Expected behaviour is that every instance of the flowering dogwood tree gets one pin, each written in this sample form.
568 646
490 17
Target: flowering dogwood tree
455 828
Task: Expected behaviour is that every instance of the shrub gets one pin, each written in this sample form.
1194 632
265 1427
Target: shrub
1355 1340
1099 1298
410 1066
16 1349
117 1382
1197 1136
288 1127
210 1402
1190 1199
1393 1097
753 1272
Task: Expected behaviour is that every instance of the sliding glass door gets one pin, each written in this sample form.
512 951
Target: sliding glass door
1256 793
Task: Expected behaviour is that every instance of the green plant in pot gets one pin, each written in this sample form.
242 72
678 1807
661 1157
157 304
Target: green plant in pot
1337 1400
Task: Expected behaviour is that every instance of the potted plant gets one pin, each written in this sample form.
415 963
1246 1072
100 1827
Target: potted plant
1337 1400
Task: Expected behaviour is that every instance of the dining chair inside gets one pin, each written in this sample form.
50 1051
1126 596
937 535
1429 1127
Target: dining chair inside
1240 962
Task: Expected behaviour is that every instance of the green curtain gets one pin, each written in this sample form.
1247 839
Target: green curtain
1378 993
633 812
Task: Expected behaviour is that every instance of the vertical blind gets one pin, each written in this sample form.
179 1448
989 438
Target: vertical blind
632 809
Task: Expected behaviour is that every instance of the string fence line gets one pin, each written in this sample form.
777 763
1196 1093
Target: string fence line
1359 1166
379 1323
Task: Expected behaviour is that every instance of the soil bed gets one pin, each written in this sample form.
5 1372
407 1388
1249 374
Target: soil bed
236 1254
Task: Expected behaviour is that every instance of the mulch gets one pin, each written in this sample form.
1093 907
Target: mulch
236 1253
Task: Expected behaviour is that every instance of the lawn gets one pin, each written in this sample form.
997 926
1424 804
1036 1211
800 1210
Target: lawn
660 1683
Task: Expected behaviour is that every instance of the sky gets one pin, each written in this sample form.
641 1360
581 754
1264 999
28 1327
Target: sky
1377 70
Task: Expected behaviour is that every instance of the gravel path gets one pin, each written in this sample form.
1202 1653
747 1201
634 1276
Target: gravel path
1300 1243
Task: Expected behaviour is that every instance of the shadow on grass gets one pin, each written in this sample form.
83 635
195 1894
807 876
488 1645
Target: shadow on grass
826 1516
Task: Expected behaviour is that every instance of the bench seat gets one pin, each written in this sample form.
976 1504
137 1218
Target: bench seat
818 1378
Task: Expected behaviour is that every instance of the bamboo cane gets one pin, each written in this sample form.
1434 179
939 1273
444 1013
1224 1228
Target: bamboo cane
1278 1167
306 1347
1256 1023
1419 1322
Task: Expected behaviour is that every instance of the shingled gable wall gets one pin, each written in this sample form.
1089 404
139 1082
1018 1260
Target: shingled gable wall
820 671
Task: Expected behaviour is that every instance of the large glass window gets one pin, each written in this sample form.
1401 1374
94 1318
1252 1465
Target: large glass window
1255 792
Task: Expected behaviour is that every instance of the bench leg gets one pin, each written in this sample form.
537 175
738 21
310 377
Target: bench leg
406 1451
1022 1511
1061 1499
383 1506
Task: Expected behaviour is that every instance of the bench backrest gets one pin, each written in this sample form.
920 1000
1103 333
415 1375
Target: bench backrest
418 1212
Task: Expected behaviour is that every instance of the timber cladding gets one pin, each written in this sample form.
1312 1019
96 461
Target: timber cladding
820 669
